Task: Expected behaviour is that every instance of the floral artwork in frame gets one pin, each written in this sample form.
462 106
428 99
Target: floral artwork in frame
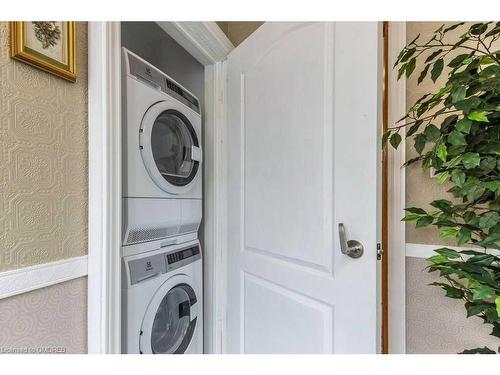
46 45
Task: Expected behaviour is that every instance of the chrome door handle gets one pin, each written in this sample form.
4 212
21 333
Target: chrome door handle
352 248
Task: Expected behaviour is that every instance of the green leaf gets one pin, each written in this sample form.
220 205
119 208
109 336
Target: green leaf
476 308
457 139
454 162
492 185
478 28
441 177
497 303
420 141
437 259
409 53
464 236
416 210
471 160
424 221
481 259
448 233
410 67
411 217
395 140
443 205
385 137
483 292
458 177
467 105
464 125
457 61
448 253
437 68
478 116
432 56
401 70
484 350
413 129
496 330
432 133
458 94
451 291
453 27
442 152
488 220
423 74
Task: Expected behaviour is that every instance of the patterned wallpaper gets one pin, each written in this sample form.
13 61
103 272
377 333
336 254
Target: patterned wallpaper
48 320
43 160
436 324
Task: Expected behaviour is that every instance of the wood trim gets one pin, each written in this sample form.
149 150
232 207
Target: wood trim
396 194
205 41
26 279
104 289
385 229
214 207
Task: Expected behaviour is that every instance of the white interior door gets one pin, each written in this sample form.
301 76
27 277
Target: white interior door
303 120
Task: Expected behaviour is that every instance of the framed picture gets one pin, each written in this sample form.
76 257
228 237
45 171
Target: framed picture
47 45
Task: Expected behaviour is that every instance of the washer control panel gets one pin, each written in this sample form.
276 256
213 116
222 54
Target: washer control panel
149 267
179 258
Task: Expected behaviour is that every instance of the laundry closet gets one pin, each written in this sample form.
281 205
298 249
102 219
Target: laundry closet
162 153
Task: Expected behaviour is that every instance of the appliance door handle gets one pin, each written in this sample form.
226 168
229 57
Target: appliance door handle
351 248
196 154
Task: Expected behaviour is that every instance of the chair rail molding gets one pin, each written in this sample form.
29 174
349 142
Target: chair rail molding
27 279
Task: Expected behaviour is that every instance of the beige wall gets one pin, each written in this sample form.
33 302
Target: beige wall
43 188
435 324
53 318
421 189
237 32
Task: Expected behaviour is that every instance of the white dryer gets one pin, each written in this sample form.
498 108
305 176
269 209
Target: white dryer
162 154
162 307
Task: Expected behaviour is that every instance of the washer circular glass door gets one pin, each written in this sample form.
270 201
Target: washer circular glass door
169 148
170 321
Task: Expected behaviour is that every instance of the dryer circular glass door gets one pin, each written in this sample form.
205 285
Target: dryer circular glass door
170 321
170 148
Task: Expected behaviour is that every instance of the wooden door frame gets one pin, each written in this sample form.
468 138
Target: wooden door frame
394 198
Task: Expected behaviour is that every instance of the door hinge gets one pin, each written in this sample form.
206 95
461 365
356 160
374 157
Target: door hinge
380 251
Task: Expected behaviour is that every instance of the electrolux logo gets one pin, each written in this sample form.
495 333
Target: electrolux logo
148 71
149 265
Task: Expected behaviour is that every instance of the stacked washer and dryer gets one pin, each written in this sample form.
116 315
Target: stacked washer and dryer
162 310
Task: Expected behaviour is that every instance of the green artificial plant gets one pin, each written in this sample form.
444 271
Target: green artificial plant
456 131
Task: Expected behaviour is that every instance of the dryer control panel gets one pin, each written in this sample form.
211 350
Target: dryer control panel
152 76
149 267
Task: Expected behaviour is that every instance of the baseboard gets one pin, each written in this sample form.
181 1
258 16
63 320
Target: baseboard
26 279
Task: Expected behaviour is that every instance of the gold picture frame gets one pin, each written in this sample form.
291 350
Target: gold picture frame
37 44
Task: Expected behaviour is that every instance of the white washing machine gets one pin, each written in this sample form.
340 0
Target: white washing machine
162 307
162 154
